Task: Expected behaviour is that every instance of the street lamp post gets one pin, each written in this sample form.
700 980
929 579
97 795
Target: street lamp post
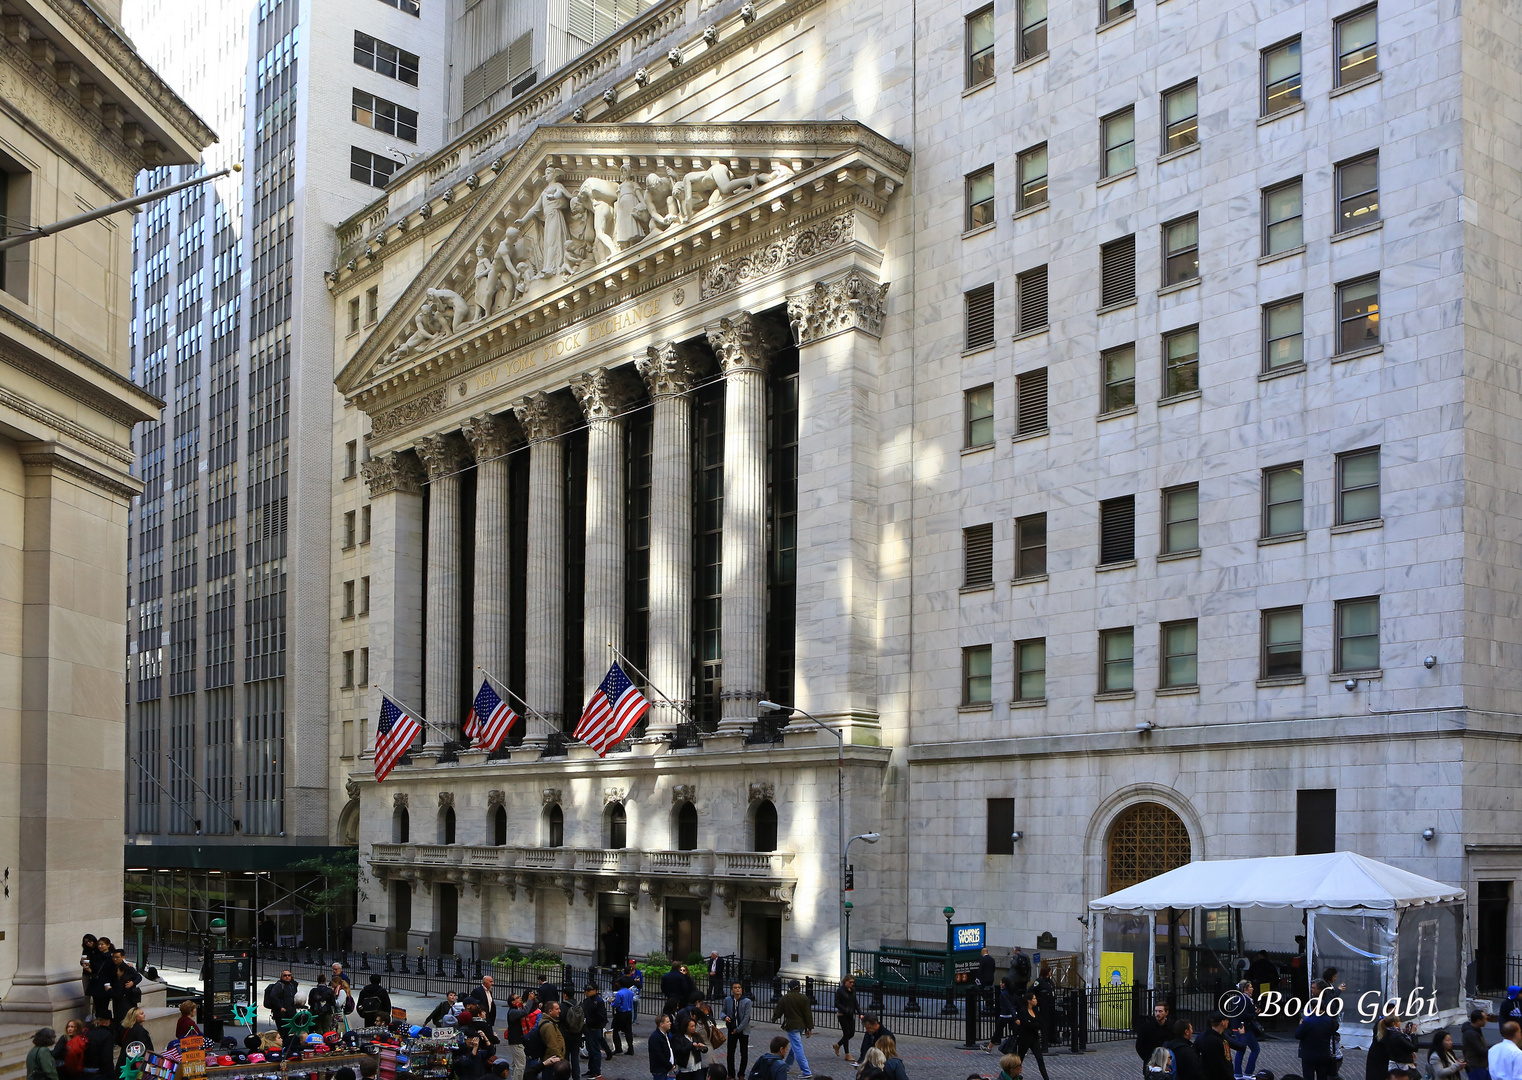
139 919
840 817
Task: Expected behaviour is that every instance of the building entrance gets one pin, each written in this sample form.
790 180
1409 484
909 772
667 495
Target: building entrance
684 930
612 929
761 938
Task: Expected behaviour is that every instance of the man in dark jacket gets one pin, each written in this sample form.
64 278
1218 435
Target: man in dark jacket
547 991
662 1057
374 1005
1262 972
988 977
1151 1033
594 1019
872 1029
1315 1036
280 1000
1214 1050
520 1017
472 1061
100 1048
796 1012
1472 1041
671 990
1019 971
1185 1059
482 995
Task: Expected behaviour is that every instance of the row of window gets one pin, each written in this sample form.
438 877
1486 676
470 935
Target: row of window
351 680
371 314
386 59
1283 517
384 116
1356 648
1355 44
349 593
370 168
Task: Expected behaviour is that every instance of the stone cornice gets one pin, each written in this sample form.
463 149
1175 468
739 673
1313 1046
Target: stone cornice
92 384
59 459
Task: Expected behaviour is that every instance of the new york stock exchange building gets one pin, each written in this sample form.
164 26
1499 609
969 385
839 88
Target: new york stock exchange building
800 353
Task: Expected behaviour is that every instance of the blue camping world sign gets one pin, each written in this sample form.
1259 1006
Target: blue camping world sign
968 937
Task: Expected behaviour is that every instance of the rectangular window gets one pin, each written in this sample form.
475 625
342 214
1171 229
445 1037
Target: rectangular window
1283 221
1283 334
1116 655
980 316
1030 543
349 529
1316 821
1181 117
384 116
351 459
1001 826
1030 402
15 216
372 305
1358 634
1180 653
364 524
354 315
980 198
1358 315
385 59
980 46
348 669
372 169
1119 366
364 667
1358 486
1181 519
1357 46
1281 642
364 595
1281 77
1358 192
977 675
1030 670
1030 290
1033 178
1117 530
1032 29
1181 362
1114 9
1284 500
979 405
348 599
409 7
1181 250
977 556
1117 272
1117 133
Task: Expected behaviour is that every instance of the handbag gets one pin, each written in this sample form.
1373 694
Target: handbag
716 1038
348 1003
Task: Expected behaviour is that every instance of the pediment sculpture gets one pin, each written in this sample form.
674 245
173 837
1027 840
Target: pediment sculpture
569 230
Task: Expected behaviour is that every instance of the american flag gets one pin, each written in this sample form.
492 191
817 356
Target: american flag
396 731
490 718
612 712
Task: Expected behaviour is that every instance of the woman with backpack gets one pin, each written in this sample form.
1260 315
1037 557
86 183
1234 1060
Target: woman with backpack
1028 1034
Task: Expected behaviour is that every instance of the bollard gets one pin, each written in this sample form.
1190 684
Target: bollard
913 1004
439 971
972 1042
877 998
459 966
950 1008
478 968
364 961
403 968
808 989
389 969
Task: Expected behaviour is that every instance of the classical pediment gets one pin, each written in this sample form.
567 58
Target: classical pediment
586 217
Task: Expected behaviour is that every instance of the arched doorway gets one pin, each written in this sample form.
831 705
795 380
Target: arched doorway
1147 839
687 827
499 826
764 826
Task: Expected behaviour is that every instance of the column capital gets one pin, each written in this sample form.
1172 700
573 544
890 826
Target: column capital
736 339
544 416
398 471
852 302
603 394
669 370
492 435
443 454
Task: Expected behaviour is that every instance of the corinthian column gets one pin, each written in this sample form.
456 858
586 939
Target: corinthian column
443 456
544 419
603 396
492 438
670 372
742 611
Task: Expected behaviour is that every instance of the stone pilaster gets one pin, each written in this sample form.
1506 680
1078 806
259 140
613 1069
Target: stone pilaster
837 325
737 342
669 372
604 396
492 438
396 577
444 456
544 418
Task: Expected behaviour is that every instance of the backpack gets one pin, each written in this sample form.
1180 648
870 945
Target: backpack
1162 1065
574 1019
765 1068
1022 968
533 1042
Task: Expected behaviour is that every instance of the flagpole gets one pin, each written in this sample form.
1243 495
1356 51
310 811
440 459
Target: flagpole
426 722
526 706
648 683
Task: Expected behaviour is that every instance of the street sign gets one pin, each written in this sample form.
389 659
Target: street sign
229 983
967 937
850 878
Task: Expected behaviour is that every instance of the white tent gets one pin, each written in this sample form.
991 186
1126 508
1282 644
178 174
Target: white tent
1389 932
1340 881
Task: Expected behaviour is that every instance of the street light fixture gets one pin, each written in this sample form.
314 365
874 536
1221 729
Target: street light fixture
840 816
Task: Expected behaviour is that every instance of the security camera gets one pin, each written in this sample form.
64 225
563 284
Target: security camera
1428 834
1145 725
1350 685
1429 662
1016 836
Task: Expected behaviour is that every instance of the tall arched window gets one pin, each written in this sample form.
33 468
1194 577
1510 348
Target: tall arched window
446 826
554 826
618 826
765 828
1145 840
499 826
687 827
401 827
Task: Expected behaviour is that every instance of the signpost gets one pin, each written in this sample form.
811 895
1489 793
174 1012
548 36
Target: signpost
229 983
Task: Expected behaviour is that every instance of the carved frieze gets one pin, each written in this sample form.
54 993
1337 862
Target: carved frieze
399 471
495 798
399 800
409 413
613 795
797 246
446 800
550 796
854 302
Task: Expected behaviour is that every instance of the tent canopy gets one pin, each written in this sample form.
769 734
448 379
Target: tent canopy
1339 881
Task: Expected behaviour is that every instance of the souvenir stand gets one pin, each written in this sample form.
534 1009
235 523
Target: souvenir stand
1390 933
